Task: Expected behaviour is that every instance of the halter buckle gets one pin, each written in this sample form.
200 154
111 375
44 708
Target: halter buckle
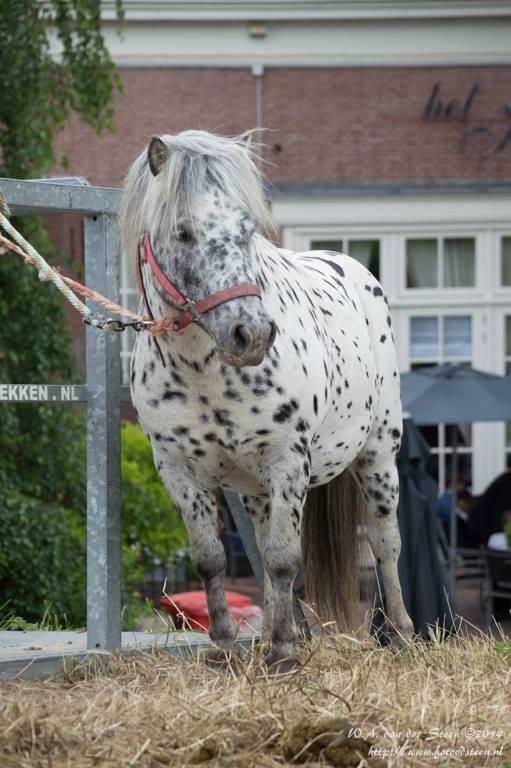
190 307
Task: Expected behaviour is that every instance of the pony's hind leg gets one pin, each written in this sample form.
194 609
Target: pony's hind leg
199 511
379 483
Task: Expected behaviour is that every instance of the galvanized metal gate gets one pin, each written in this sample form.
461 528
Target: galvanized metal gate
103 394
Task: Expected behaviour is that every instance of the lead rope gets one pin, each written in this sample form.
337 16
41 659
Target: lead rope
64 284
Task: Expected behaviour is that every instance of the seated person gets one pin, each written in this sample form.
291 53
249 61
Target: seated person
486 516
464 505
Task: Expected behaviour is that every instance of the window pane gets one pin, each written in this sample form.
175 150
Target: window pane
508 335
459 262
458 336
464 462
367 252
424 337
508 434
463 434
421 264
506 261
327 245
430 434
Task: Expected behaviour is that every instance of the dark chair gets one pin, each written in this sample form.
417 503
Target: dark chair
469 561
498 581
469 564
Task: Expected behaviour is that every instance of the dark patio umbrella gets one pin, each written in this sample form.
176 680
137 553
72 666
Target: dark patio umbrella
454 394
450 394
422 576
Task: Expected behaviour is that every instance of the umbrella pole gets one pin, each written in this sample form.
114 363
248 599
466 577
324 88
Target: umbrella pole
453 529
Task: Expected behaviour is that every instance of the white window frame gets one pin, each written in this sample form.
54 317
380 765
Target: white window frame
346 239
487 438
503 290
439 234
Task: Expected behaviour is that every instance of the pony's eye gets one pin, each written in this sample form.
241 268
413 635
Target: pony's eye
183 235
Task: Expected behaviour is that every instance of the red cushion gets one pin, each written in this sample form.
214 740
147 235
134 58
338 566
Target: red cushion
193 608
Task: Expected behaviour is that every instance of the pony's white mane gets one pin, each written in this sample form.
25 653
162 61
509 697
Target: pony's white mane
197 160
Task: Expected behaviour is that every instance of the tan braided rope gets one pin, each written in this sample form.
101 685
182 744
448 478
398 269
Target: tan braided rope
64 284
44 270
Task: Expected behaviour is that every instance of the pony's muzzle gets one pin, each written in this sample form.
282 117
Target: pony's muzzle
248 344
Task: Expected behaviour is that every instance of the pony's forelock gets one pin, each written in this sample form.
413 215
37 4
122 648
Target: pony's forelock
197 160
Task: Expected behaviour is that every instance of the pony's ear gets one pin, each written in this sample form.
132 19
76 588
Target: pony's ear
157 154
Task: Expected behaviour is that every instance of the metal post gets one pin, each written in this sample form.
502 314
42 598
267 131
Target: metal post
103 445
453 522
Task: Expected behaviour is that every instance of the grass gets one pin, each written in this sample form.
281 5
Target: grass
351 704
49 621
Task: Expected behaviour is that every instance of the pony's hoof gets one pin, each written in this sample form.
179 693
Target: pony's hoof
219 658
401 638
281 666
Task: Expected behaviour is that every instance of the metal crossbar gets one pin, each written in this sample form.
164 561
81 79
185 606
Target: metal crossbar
103 394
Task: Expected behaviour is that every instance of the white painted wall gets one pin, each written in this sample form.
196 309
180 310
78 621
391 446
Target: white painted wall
301 33
317 43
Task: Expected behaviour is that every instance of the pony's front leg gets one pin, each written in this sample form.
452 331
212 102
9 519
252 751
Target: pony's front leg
259 508
199 511
283 556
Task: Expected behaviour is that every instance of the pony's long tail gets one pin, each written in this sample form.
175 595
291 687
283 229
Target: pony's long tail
332 515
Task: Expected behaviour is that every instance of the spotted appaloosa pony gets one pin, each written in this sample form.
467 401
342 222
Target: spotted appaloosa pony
285 381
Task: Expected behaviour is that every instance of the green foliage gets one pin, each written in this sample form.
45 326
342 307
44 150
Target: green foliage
49 622
42 546
42 448
42 559
152 528
39 91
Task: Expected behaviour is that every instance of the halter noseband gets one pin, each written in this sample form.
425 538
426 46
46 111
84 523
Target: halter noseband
188 311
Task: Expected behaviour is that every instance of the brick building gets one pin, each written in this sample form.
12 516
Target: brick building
389 137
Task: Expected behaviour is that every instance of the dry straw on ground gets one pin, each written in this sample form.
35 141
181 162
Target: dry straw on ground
441 704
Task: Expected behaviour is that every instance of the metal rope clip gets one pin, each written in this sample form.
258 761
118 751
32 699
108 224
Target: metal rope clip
190 307
110 324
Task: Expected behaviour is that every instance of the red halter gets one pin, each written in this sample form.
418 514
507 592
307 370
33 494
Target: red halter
188 311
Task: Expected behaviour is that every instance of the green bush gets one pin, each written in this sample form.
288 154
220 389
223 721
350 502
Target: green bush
151 524
152 528
42 560
43 545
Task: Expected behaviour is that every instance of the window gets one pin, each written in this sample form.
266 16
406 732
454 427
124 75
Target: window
505 261
367 252
447 262
440 440
439 339
435 340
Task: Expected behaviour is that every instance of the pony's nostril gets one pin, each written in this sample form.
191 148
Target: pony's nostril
271 337
241 338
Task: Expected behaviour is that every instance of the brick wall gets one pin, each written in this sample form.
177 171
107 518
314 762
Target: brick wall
352 125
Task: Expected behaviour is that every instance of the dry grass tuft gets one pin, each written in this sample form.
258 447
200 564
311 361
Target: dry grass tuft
434 704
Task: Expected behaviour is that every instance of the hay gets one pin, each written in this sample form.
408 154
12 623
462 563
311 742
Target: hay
435 704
